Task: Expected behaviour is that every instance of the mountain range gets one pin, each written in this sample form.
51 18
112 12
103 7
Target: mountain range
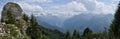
96 22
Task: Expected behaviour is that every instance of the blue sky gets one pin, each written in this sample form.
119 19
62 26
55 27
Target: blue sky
65 8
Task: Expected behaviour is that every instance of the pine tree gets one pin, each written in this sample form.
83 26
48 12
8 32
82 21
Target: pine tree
115 26
87 31
76 35
34 30
67 35
25 17
87 34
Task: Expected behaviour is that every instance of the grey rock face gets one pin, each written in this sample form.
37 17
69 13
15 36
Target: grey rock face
14 8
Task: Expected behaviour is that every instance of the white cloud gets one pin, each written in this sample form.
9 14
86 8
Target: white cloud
67 10
71 6
82 6
64 14
103 8
39 1
96 7
29 8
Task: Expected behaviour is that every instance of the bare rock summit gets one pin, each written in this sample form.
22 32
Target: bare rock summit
14 8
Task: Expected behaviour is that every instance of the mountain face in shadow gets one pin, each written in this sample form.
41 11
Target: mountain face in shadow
96 22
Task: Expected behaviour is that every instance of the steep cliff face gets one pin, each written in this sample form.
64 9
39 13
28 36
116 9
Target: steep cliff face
14 8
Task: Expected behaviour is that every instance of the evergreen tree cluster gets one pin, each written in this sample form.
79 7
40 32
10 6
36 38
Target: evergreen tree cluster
33 30
87 34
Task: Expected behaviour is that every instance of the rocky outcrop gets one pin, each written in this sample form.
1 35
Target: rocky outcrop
14 8
17 29
23 28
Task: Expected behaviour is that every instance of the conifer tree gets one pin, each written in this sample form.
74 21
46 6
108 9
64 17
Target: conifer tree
87 34
25 17
76 35
115 26
67 35
34 30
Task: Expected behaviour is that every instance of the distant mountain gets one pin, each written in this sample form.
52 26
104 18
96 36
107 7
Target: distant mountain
96 22
49 26
51 19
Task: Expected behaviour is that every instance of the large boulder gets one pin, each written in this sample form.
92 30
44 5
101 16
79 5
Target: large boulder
14 8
